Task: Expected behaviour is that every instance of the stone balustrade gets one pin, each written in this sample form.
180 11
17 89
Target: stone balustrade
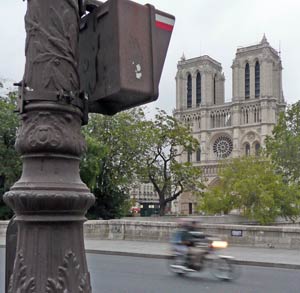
241 235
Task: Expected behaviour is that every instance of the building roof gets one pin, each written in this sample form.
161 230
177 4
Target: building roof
262 44
201 59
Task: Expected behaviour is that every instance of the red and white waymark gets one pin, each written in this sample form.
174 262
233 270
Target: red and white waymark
163 22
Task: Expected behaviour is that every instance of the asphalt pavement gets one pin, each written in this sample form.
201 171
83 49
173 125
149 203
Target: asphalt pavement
125 274
265 257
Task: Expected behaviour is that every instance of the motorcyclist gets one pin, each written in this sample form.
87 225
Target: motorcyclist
184 241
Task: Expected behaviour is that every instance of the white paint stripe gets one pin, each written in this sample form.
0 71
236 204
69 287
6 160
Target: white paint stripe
164 19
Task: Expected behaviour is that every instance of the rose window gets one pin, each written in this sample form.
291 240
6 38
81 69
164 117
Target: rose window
222 146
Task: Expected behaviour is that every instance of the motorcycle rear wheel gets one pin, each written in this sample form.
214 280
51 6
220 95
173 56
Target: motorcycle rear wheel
223 269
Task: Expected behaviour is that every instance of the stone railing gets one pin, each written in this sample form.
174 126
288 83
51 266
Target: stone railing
3 226
241 235
210 169
129 230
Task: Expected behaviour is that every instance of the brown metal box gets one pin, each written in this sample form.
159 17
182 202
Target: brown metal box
123 46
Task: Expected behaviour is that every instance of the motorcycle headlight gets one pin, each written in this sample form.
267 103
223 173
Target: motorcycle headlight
219 244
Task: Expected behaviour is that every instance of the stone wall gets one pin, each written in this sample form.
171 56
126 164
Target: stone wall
3 226
221 219
257 236
129 230
241 235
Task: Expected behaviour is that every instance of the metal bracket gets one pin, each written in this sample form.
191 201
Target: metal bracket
26 95
87 5
85 111
90 5
21 92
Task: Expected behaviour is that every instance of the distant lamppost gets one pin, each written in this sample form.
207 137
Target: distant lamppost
122 46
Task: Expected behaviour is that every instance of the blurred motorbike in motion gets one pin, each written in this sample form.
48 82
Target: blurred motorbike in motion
199 252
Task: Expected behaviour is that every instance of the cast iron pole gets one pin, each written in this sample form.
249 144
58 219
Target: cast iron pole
50 200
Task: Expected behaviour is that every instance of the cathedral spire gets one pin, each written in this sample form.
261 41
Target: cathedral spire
264 40
182 57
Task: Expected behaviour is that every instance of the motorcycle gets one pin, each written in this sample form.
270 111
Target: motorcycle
202 254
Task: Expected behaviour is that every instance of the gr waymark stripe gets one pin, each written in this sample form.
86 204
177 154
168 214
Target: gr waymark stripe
164 22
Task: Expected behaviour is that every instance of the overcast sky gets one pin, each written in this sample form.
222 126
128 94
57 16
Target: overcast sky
212 27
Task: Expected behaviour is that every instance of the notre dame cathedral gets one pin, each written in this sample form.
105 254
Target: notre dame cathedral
228 129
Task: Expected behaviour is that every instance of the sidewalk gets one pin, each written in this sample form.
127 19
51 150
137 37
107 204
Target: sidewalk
266 257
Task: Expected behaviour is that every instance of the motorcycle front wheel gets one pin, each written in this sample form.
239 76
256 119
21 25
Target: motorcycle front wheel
176 263
223 269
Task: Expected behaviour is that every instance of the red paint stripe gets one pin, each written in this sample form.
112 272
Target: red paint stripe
164 26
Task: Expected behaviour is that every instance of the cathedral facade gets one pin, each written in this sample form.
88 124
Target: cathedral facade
228 129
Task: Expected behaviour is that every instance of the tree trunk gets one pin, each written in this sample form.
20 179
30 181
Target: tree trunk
162 207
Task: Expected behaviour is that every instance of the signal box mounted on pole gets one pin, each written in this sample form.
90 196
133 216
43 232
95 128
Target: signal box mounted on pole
122 46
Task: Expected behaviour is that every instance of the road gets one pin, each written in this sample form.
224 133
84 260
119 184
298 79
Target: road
123 274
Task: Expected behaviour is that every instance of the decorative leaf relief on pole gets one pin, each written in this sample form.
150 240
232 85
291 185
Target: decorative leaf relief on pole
52 47
19 280
45 130
70 279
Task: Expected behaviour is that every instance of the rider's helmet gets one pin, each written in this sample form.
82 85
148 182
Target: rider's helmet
188 224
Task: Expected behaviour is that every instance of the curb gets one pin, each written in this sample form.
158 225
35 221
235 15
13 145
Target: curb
164 256
267 264
126 253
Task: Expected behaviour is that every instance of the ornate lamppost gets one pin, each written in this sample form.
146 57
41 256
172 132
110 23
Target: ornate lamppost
50 200
123 46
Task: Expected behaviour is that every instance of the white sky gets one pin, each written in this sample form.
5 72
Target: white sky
212 27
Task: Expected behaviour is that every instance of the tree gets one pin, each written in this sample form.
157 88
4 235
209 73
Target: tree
164 141
284 145
108 167
251 185
10 164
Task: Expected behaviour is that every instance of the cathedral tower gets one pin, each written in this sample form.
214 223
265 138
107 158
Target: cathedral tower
256 73
199 82
232 129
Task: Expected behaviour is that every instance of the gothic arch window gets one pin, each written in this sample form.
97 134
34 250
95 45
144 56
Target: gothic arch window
189 156
198 89
215 77
247 81
257 148
228 119
218 119
213 120
189 91
257 79
198 155
244 112
247 116
198 119
247 149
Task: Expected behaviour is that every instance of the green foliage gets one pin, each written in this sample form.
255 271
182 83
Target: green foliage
5 212
125 148
108 167
10 163
165 140
284 145
251 185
